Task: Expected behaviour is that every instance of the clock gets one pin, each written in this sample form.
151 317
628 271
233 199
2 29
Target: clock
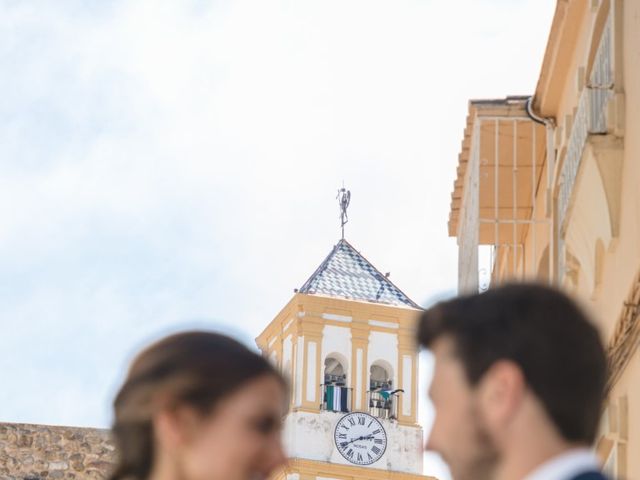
360 438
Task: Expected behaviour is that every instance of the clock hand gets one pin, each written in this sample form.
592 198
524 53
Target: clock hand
368 437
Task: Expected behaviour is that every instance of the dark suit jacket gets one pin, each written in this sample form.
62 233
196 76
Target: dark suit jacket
590 476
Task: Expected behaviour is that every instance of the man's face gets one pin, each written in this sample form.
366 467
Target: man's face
459 433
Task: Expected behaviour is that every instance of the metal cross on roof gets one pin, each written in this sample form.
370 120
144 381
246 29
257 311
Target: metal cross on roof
344 197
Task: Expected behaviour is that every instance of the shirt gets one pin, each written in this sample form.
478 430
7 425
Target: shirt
566 466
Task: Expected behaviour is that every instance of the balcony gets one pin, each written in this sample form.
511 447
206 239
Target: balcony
495 200
383 403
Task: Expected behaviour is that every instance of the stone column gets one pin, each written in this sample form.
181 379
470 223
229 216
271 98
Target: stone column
359 362
310 329
407 376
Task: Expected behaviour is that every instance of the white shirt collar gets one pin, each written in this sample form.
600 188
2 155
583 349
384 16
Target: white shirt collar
566 466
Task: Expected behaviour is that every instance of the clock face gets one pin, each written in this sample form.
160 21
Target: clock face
360 438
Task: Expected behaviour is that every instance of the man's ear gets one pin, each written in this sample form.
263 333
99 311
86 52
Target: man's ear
176 426
502 390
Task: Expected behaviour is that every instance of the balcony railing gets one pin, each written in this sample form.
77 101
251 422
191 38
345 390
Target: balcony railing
601 81
590 117
383 403
335 398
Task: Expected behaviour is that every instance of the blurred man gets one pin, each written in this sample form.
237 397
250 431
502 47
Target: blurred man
517 387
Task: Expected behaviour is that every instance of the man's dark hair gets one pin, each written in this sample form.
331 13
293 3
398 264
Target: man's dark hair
542 331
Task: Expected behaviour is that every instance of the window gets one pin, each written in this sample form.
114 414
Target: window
334 372
380 377
382 397
336 396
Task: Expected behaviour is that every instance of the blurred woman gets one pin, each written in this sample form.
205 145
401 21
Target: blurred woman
199 406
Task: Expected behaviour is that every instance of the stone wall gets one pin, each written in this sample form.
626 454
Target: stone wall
39 452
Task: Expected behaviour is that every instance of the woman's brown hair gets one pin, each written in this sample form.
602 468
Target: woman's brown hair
197 369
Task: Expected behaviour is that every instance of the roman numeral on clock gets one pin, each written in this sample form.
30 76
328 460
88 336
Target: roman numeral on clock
375 450
361 420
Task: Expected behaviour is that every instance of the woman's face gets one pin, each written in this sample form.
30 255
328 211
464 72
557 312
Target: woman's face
241 439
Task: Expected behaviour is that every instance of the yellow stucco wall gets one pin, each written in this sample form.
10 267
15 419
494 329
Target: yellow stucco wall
600 234
303 317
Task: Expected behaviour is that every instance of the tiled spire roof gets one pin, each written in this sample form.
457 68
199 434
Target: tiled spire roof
347 274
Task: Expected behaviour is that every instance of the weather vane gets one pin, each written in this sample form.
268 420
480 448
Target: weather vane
343 197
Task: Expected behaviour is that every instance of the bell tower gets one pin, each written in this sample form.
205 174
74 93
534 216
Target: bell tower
346 342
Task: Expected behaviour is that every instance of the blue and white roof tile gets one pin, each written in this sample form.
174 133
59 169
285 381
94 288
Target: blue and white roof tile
347 274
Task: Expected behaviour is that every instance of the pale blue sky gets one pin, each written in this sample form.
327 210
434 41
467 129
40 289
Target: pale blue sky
174 163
